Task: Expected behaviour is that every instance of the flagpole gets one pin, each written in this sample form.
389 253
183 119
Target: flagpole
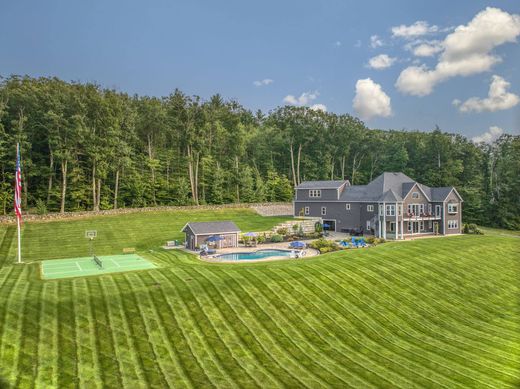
18 218
19 242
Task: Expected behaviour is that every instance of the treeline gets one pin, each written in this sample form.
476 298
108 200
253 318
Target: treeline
89 148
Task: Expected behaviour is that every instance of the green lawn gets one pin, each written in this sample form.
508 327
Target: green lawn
429 313
142 230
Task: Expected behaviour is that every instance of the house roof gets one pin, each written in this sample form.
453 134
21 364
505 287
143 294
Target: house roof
391 187
321 184
204 228
440 194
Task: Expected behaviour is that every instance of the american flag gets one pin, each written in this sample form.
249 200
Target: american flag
18 186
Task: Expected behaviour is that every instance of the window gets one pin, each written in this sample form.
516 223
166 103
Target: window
307 211
368 225
421 209
438 210
452 208
430 224
390 210
323 211
430 209
347 206
453 224
415 195
380 210
409 226
400 209
370 208
421 225
315 193
392 227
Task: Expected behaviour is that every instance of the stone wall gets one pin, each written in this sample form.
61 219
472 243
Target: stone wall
265 209
308 225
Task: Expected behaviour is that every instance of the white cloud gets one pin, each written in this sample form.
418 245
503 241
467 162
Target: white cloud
370 100
381 61
375 42
498 98
304 99
466 51
319 107
265 81
415 30
489 136
427 49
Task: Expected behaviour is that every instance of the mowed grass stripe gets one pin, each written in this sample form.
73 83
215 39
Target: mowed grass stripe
67 362
391 328
206 319
47 355
377 338
239 333
161 319
247 315
308 321
316 337
453 357
130 368
320 305
406 323
448 308
87 351
13 321
154 363
257 334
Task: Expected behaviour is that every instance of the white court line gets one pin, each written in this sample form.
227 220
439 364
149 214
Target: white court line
115 263
79 267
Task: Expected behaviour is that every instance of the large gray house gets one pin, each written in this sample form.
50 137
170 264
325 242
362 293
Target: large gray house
392 206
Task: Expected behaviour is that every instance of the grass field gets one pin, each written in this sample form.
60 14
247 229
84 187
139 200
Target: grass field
428 313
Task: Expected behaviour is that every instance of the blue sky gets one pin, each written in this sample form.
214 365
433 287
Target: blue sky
313 53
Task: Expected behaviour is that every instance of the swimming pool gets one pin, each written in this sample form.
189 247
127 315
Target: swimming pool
259 254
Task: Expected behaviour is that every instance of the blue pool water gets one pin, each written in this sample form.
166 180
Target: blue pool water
259 254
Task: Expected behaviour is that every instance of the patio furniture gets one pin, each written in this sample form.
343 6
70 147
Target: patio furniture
297 245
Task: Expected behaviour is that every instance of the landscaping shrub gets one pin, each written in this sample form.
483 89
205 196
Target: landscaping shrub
471 228
282 231
371 240
324 245
261 239
318 227
276 238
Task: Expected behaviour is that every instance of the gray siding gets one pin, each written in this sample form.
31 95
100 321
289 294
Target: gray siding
452 199
326 195
335 211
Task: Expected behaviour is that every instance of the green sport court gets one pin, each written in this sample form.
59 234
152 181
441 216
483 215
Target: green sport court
87 266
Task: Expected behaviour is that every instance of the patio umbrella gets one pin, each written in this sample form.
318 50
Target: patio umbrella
250 234
214 238
297 244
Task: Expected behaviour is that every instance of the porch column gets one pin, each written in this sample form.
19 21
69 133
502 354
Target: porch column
396 221
379 219
384 220
402 223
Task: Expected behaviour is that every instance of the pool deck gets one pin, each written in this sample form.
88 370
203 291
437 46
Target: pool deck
242 249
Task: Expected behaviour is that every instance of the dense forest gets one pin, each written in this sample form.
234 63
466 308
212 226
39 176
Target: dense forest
89 148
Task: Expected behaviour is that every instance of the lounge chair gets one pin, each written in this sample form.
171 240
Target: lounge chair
344 243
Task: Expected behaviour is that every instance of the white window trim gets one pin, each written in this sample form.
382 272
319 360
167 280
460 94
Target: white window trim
307 211
392 227
390 210
347 206
368 225
421 225
415 195
313 193
450 209
453 224
323 211
410 227
370 208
